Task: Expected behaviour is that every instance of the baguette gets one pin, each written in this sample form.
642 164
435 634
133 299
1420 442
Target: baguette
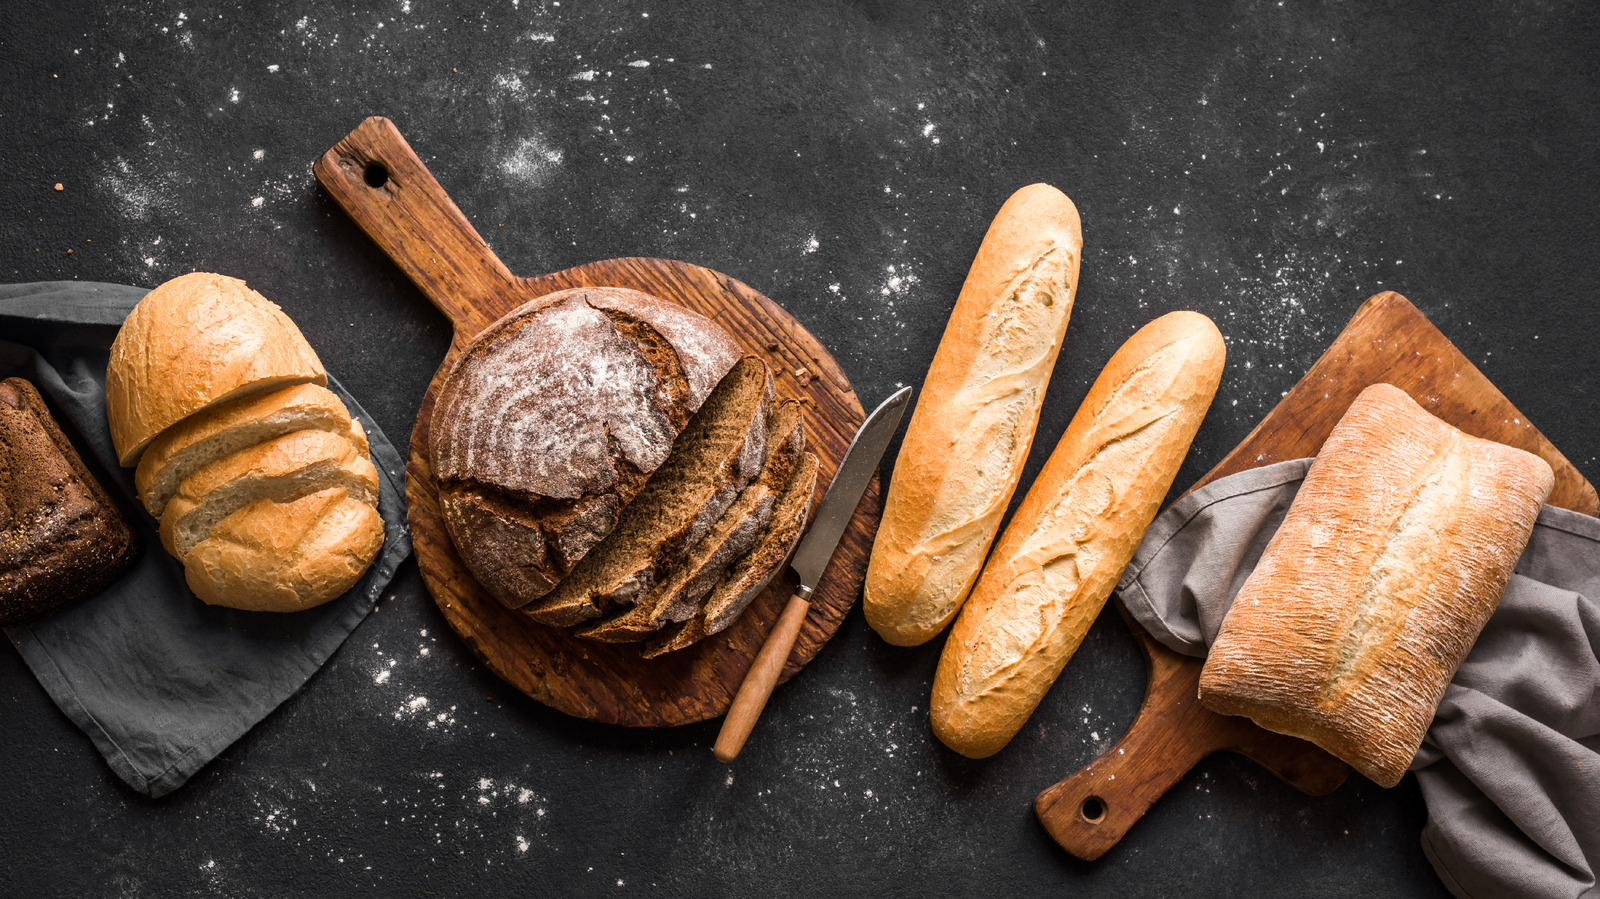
973 426
1388 564
1074 532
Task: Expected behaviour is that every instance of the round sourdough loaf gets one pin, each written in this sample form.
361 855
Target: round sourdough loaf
553 418
196 340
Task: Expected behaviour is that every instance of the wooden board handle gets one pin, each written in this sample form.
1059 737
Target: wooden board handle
1090 811
376 178
759 681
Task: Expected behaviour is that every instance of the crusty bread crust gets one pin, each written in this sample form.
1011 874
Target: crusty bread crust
194 341
680 592
975 417
284 557
61 537
1387 566
719 452
1075 531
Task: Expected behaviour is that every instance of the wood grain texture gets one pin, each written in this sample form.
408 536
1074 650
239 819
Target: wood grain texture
407 214
1388 340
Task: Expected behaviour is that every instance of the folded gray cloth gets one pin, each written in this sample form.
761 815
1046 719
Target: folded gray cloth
161 682
1510 768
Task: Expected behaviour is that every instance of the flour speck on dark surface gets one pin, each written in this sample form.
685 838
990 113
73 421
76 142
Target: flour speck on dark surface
1269 164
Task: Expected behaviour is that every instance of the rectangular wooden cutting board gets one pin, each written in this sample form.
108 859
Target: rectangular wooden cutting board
1387 341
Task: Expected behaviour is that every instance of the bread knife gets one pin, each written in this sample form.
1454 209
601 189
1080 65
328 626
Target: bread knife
809 559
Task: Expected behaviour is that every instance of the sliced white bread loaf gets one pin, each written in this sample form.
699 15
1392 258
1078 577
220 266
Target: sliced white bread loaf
207 436
198 340
281 470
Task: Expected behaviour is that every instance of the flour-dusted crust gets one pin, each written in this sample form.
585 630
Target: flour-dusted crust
1074 532
975 417
1387 566
194 341
554 417
61 536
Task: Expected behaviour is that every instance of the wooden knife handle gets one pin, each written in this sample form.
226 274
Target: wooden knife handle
374 175
760 679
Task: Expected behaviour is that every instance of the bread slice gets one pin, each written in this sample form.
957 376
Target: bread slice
553 418
751 574
198 340
719 452
1388 564
207 436
678 595
61 537
284 557
280 470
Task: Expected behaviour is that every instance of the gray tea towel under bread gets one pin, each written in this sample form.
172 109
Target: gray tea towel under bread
161 682
1510 768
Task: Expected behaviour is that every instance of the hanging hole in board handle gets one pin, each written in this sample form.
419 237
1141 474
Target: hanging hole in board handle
376 174
1093 810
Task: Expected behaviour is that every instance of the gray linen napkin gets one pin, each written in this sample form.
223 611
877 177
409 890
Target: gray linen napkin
161 682
1510 768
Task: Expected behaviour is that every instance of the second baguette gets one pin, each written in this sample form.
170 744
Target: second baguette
973 426
1074 533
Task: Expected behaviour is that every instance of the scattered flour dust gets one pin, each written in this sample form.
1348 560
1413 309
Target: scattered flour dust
532 162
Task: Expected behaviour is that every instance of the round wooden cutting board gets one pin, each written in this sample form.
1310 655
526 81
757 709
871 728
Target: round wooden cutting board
380 182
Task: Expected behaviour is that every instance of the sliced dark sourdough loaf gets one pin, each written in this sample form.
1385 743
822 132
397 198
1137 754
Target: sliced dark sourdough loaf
719 452
677 596
750 575
552 421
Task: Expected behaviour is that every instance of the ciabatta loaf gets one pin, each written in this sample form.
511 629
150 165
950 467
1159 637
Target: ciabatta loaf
1388 564
970 434
194 341
1075 531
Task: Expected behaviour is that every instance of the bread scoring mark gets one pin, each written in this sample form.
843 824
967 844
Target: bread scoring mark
1397 580
1020 333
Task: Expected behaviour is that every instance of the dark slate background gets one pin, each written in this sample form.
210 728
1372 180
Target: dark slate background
1270 164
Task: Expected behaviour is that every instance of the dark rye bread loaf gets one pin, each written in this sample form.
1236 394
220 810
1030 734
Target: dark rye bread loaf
553 418
751 574
719 452
677 596
61 536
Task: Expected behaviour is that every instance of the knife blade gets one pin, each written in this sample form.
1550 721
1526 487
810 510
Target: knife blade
810 558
